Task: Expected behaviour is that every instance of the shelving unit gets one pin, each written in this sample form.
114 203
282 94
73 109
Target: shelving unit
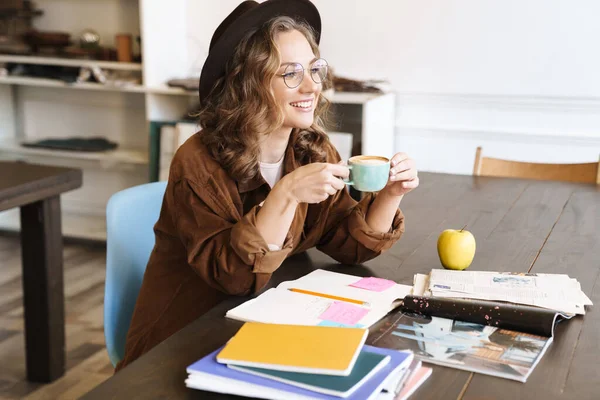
34 108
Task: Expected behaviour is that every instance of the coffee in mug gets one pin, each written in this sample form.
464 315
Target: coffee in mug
368 173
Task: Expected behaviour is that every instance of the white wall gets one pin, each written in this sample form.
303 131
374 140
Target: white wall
518 77
203 17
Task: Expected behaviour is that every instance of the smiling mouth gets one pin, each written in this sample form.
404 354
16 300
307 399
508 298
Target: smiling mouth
303 105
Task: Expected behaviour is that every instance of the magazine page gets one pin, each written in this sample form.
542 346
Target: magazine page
522 318
465 345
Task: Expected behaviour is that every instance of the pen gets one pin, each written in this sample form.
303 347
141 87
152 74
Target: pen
329 296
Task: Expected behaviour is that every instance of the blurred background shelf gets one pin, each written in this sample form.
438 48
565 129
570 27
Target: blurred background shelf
164 89
111 157
55 83
69 62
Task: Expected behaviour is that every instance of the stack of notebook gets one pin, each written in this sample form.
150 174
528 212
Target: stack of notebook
275 361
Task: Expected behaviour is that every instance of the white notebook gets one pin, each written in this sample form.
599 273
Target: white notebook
359 302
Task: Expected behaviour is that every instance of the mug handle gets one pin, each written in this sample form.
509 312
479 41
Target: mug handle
349 182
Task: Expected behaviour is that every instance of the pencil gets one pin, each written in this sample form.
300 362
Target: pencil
329 296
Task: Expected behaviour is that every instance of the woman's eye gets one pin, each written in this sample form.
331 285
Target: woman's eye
320 72
290 75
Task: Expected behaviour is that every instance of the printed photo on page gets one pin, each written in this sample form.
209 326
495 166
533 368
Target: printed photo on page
467 346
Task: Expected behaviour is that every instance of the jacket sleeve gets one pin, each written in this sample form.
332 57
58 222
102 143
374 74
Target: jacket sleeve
348 238
230 255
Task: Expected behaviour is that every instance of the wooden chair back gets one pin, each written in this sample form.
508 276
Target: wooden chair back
584 173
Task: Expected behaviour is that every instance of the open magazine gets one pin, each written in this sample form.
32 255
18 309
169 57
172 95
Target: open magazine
465 345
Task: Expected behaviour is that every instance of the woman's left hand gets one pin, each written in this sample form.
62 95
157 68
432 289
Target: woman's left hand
403 175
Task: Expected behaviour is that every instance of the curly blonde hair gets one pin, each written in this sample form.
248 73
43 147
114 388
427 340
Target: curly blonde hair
241 108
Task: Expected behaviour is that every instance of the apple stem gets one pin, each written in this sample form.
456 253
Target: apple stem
463 228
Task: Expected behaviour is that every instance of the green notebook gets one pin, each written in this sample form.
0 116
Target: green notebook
367 365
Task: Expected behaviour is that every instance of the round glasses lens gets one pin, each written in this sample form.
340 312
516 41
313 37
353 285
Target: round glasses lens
293 75
318 71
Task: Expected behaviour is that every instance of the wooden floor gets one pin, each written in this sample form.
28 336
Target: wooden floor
87 361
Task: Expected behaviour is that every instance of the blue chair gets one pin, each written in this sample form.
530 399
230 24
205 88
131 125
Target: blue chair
130 218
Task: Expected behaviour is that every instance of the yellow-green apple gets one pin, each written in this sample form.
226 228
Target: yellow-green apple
456 248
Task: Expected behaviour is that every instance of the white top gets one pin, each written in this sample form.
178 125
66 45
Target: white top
272 172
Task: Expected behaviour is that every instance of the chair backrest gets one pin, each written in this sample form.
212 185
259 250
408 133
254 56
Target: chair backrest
130 218
584 173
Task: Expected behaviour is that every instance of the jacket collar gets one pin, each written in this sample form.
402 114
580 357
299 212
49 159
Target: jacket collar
289 164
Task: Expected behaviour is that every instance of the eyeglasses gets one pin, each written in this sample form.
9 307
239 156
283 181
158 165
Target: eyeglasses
294 73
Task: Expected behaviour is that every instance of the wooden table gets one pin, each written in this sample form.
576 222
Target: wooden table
519 226
36 189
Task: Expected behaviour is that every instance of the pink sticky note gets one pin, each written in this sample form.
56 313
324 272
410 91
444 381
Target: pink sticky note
344 313
374 284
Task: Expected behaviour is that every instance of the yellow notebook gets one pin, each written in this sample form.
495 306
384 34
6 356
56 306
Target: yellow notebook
298 348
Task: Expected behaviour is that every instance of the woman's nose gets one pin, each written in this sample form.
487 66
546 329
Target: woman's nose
308 85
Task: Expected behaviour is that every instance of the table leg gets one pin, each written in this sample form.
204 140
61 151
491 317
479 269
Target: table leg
43 293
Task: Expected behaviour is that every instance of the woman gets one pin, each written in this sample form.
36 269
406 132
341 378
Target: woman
260 181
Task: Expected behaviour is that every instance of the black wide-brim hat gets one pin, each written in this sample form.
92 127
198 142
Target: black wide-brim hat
247 16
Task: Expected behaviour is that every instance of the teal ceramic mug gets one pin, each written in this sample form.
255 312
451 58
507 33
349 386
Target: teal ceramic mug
368 173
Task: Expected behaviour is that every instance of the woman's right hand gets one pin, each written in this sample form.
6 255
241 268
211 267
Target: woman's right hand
314 183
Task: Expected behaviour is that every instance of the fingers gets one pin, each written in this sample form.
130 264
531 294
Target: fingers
322 182
338 170
330 190
404 176
403 169
402 165
412 184
336 173
322 194
398 158
337 183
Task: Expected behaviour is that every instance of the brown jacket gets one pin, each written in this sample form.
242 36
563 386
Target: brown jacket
207 245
